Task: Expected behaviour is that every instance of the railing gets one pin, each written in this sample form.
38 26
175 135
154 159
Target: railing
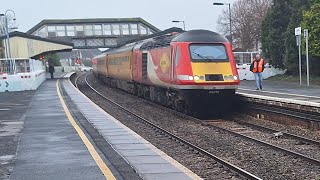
15 66
244 57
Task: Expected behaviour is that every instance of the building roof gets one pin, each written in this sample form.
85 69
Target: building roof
95 20
29 46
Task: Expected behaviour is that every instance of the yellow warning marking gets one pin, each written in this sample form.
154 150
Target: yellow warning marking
103 167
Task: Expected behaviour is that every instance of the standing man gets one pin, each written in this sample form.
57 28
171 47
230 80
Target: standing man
51 69
257 67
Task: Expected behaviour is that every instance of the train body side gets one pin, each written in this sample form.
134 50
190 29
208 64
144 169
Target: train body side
119 66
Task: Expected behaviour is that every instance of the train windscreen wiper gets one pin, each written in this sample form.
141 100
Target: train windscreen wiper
199 55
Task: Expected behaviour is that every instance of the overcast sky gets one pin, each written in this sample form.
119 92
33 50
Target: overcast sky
198 14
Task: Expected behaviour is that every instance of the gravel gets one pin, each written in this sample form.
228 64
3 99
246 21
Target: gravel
290 143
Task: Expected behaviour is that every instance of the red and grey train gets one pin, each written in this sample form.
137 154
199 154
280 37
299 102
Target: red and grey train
182 70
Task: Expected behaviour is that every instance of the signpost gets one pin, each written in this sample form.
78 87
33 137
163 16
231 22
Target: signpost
298 38
306 35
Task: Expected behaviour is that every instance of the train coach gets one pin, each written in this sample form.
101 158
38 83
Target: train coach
187 71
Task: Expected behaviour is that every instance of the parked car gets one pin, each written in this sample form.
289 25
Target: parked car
86 68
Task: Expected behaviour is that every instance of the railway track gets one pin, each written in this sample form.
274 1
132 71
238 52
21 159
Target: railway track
276 158
287 134
274 140
241 132
272 132
173 137
285 115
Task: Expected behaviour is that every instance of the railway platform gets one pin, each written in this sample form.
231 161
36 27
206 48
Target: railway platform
63 135
283 94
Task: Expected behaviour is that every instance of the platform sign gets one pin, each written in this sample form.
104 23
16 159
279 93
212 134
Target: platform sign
297 31
306 35
298 40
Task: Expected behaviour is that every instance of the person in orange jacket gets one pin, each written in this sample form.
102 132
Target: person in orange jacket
257 67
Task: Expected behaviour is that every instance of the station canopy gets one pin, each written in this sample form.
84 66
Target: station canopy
29 46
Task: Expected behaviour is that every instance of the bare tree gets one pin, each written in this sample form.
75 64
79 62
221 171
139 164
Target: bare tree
246 17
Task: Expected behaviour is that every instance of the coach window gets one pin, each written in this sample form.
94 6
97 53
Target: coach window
116 29
79 31
88 31
177 55
107 29
134 28
52 31
97 29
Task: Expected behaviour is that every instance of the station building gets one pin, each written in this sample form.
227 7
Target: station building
22 70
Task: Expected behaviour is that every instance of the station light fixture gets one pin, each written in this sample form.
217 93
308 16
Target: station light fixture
184 24
230 21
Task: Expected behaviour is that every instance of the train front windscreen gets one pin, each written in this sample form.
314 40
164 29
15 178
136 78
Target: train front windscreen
208 53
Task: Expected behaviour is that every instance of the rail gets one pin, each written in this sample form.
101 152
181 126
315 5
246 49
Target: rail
226 164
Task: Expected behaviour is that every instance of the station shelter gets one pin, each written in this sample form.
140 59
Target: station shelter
21 68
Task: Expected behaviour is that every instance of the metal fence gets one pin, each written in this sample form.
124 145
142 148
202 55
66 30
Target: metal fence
19 66
244 57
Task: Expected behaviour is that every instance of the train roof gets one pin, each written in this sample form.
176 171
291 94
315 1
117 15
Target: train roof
194 36
199 36
164 39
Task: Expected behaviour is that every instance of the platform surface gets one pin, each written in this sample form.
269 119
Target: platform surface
13 107
285 91
50 147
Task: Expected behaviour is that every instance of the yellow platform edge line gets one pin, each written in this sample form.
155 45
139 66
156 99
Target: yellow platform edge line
103 167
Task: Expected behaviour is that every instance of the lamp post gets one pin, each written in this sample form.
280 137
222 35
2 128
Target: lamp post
230 23
4 30
8 38
184 25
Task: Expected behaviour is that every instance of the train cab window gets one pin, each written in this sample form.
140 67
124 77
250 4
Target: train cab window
177 56
208 52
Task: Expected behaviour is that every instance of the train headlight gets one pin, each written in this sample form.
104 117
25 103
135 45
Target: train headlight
190 78
228 78
196 78
235 78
